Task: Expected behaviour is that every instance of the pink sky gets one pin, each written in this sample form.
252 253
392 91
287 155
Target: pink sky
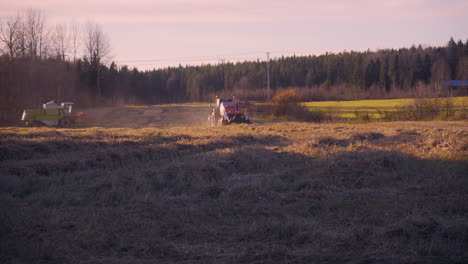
167 32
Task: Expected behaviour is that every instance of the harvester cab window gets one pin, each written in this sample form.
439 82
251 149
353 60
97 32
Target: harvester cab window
67 107
50 105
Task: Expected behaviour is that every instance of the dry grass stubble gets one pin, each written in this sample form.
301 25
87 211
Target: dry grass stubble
287 192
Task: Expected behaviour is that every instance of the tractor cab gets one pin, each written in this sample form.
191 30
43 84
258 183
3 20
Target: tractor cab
219 101
50 115
67 106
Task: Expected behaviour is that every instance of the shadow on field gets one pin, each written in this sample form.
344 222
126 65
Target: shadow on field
373 137
225 199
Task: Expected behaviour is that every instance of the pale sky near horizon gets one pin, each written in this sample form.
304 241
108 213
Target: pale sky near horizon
160 33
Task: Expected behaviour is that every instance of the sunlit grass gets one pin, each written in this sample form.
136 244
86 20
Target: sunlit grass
347 109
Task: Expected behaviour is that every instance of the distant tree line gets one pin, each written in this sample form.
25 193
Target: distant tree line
39 62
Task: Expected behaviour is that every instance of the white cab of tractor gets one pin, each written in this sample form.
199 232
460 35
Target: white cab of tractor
51 105
66 106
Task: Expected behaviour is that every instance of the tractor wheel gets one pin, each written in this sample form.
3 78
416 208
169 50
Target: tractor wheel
64 122
222 122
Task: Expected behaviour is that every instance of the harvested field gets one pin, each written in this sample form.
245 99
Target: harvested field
148 116
290 192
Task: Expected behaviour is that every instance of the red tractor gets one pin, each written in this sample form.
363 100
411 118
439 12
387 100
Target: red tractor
228 111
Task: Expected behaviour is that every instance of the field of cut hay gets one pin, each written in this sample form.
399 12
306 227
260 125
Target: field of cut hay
394 192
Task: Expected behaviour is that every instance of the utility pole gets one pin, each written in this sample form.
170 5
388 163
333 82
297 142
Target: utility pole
268 75
98 80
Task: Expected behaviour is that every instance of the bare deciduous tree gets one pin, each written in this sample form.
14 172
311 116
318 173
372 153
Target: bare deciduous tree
10 36
74 32
61 41
97 48
36 35
22 42
96 44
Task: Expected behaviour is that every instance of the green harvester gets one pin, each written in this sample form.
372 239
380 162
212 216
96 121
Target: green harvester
52 114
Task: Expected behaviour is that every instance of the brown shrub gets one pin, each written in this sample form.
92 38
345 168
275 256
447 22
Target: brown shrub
287 103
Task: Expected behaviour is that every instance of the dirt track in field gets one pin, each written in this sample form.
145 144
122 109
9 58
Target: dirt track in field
147 116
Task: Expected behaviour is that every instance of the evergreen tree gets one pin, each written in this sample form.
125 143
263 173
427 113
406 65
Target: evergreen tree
395 71
376 73
452 58
372 73
357 71
417 71
465 52
384 80
426 75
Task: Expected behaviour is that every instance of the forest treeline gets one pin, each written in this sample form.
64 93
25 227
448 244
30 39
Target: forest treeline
39 63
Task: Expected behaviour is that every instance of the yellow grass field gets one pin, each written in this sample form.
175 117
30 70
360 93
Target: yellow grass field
347 109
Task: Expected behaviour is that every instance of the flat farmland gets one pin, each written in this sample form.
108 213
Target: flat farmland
349 109
287 192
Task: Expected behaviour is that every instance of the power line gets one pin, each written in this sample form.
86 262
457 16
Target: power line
224 58
212 57
203 60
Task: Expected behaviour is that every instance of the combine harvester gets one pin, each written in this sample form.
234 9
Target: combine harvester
52 114
228 111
